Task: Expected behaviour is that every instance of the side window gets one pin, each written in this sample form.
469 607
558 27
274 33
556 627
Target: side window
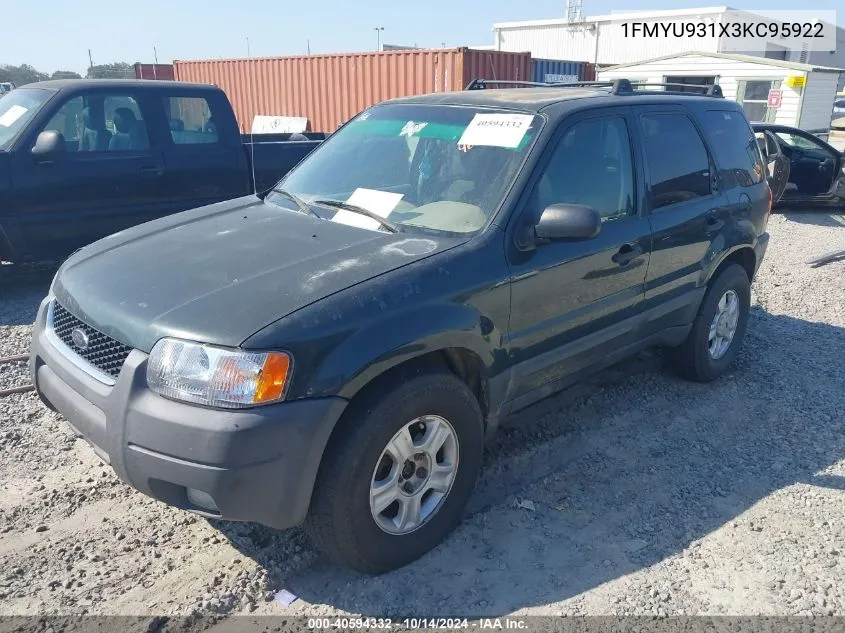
678 164
733 142
591 165
190 120
794 140
68 122
123 120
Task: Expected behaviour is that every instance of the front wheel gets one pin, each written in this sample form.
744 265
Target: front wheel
398 473
717 332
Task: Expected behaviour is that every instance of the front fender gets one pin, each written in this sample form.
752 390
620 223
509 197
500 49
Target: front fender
386 343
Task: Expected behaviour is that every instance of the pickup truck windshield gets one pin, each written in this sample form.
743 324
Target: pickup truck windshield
442 168
16 109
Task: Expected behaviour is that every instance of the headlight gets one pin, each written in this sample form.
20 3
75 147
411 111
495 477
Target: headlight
216 376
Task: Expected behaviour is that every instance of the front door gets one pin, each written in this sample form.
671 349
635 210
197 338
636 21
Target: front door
106 180
777 164
815 168
570 299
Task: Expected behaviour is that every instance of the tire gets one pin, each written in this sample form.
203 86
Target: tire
340 520
693 358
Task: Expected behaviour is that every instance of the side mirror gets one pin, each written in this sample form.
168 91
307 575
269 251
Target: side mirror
568 222
48 144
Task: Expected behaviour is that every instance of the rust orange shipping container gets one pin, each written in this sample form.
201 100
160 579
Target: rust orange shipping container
162 72
330 89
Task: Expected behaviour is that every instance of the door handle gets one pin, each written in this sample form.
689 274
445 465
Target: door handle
627 254
152 169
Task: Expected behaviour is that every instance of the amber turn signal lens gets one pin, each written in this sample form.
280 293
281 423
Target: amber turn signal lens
274 375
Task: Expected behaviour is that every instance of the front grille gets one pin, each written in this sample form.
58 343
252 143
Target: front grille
103 352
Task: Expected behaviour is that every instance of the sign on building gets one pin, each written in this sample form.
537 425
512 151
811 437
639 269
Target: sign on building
775 98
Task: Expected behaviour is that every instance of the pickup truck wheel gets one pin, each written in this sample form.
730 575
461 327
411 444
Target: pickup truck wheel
397 475
716 336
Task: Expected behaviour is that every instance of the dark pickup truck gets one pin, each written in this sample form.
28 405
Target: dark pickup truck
337 351
82 159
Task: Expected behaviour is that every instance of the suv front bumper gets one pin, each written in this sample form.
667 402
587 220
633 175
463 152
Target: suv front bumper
255 464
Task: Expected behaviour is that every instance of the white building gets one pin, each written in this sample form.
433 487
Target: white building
601 39
807 91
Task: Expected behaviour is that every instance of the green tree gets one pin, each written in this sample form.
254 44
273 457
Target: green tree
65 74
21 75
116 70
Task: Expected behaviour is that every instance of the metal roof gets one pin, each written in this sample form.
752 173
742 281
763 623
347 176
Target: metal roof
736 57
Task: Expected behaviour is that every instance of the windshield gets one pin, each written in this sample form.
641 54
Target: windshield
442 168
16 109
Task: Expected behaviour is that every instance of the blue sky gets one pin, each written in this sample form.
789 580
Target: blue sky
218 28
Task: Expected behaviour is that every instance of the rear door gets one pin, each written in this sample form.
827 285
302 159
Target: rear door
687 209
94 188
204 156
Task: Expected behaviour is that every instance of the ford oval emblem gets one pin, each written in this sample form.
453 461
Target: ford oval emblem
79 338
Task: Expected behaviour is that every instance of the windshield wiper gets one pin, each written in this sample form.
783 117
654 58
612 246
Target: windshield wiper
337 204
297 201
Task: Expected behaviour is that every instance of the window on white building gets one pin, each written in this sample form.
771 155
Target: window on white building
753 94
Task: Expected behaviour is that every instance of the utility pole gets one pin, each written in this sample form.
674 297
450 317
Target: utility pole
247 47
90 64
308 43
378 30
155 65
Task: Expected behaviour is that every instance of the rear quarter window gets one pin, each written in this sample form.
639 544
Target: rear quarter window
190 120
735 147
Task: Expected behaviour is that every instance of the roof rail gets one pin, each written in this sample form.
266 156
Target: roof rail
617 86
481 84
714 90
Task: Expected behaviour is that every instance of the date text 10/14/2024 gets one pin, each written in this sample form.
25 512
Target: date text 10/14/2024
417 623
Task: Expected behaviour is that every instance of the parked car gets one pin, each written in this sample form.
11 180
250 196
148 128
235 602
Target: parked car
839 109
81 159
812 172
337 351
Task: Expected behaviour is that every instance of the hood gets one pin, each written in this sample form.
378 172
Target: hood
220 273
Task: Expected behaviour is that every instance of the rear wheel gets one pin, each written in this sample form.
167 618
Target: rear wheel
398 473
717 332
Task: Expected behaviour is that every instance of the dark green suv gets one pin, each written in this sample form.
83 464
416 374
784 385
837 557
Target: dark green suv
336 352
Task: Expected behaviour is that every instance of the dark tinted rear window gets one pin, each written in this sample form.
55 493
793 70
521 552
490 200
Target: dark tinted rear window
678 165
733 142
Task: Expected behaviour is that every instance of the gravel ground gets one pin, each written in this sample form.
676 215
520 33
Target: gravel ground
650 495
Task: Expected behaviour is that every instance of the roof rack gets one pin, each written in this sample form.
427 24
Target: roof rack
617 86
714 90
481 84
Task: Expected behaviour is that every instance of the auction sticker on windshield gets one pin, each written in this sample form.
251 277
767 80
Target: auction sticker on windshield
379 202
496 130
11 115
